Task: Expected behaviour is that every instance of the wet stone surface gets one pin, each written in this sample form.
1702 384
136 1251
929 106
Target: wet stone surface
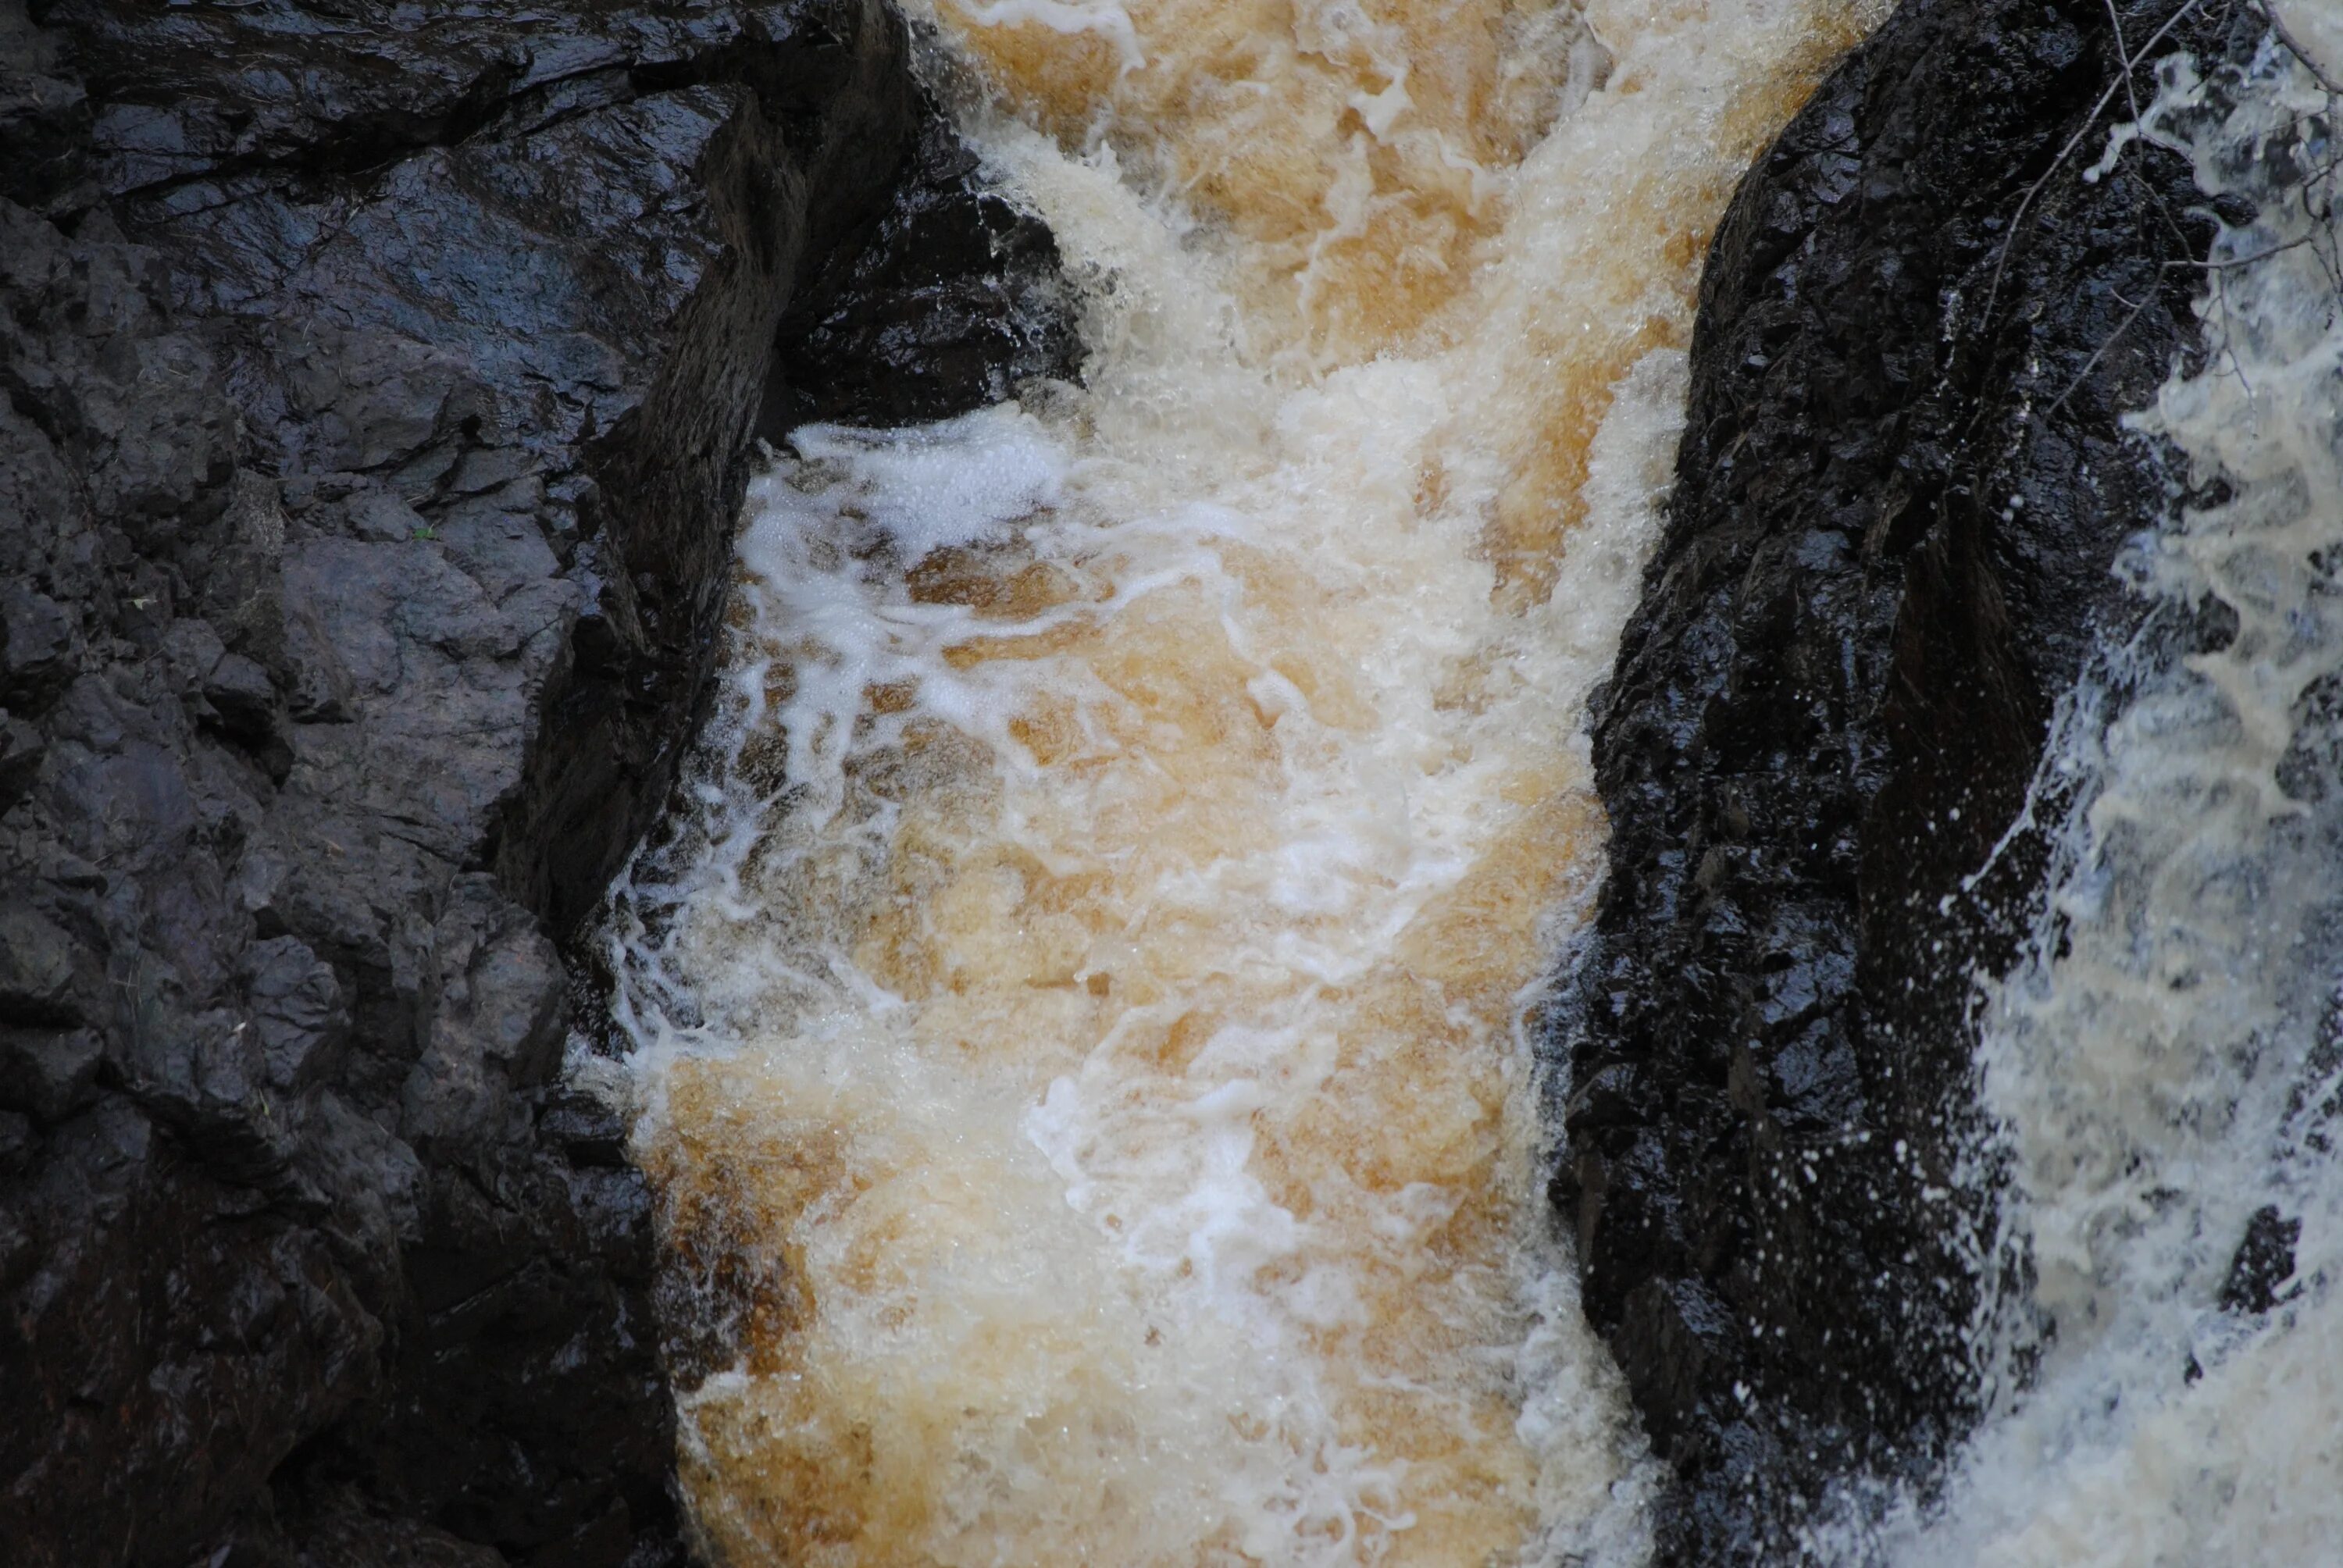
379 402
1903 483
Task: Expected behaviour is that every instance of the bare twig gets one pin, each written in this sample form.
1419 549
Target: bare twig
2128 64
2115 20
2315 193
2098 354
2113 338
2294 47
2210 266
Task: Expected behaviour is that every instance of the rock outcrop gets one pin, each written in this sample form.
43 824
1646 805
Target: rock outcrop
379 402
1901 489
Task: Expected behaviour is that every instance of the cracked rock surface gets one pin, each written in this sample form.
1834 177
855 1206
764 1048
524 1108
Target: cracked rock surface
379 401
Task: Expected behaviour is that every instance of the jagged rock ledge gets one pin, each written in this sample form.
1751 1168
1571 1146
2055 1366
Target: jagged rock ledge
1902 485
378 403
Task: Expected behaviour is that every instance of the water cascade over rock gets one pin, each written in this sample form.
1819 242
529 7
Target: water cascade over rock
1169 782
1906 478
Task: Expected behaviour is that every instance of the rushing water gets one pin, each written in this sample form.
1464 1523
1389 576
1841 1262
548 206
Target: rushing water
2167 1065
1080 1025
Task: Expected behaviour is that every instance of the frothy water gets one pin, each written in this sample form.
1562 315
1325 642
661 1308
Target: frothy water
1079 1026
2165 1068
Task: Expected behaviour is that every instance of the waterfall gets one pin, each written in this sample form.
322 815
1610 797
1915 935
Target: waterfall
1079 1023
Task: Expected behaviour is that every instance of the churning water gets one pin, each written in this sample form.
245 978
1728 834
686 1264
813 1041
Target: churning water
1079 1026
1079 1023
2167 1067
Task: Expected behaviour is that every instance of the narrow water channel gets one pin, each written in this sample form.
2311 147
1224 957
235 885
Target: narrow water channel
1081 1026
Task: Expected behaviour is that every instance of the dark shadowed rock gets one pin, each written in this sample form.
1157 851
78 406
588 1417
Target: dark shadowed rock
2263 1263
379 401
955 298
1902 484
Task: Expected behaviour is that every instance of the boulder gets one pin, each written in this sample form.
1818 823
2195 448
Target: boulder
1903 481
380 402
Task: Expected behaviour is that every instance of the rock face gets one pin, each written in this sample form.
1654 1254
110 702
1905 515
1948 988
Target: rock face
954 299
378 403
1902 484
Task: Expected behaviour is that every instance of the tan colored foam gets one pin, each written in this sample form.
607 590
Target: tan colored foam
1112 1141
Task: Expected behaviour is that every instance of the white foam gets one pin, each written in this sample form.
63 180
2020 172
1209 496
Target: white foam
960 482
1087 1003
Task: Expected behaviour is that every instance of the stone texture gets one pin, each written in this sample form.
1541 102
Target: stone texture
955 298
1903 483
379 401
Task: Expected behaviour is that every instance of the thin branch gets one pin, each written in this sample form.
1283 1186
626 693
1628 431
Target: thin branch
2208 264
2113 338
2124 54
2128 64
2098 354
2315 194
2294 47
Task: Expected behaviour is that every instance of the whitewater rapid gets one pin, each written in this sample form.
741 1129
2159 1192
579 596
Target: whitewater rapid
1079 1027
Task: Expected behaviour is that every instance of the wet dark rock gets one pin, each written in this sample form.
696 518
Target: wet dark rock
2264 1262
377 403
954 299
1902 487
